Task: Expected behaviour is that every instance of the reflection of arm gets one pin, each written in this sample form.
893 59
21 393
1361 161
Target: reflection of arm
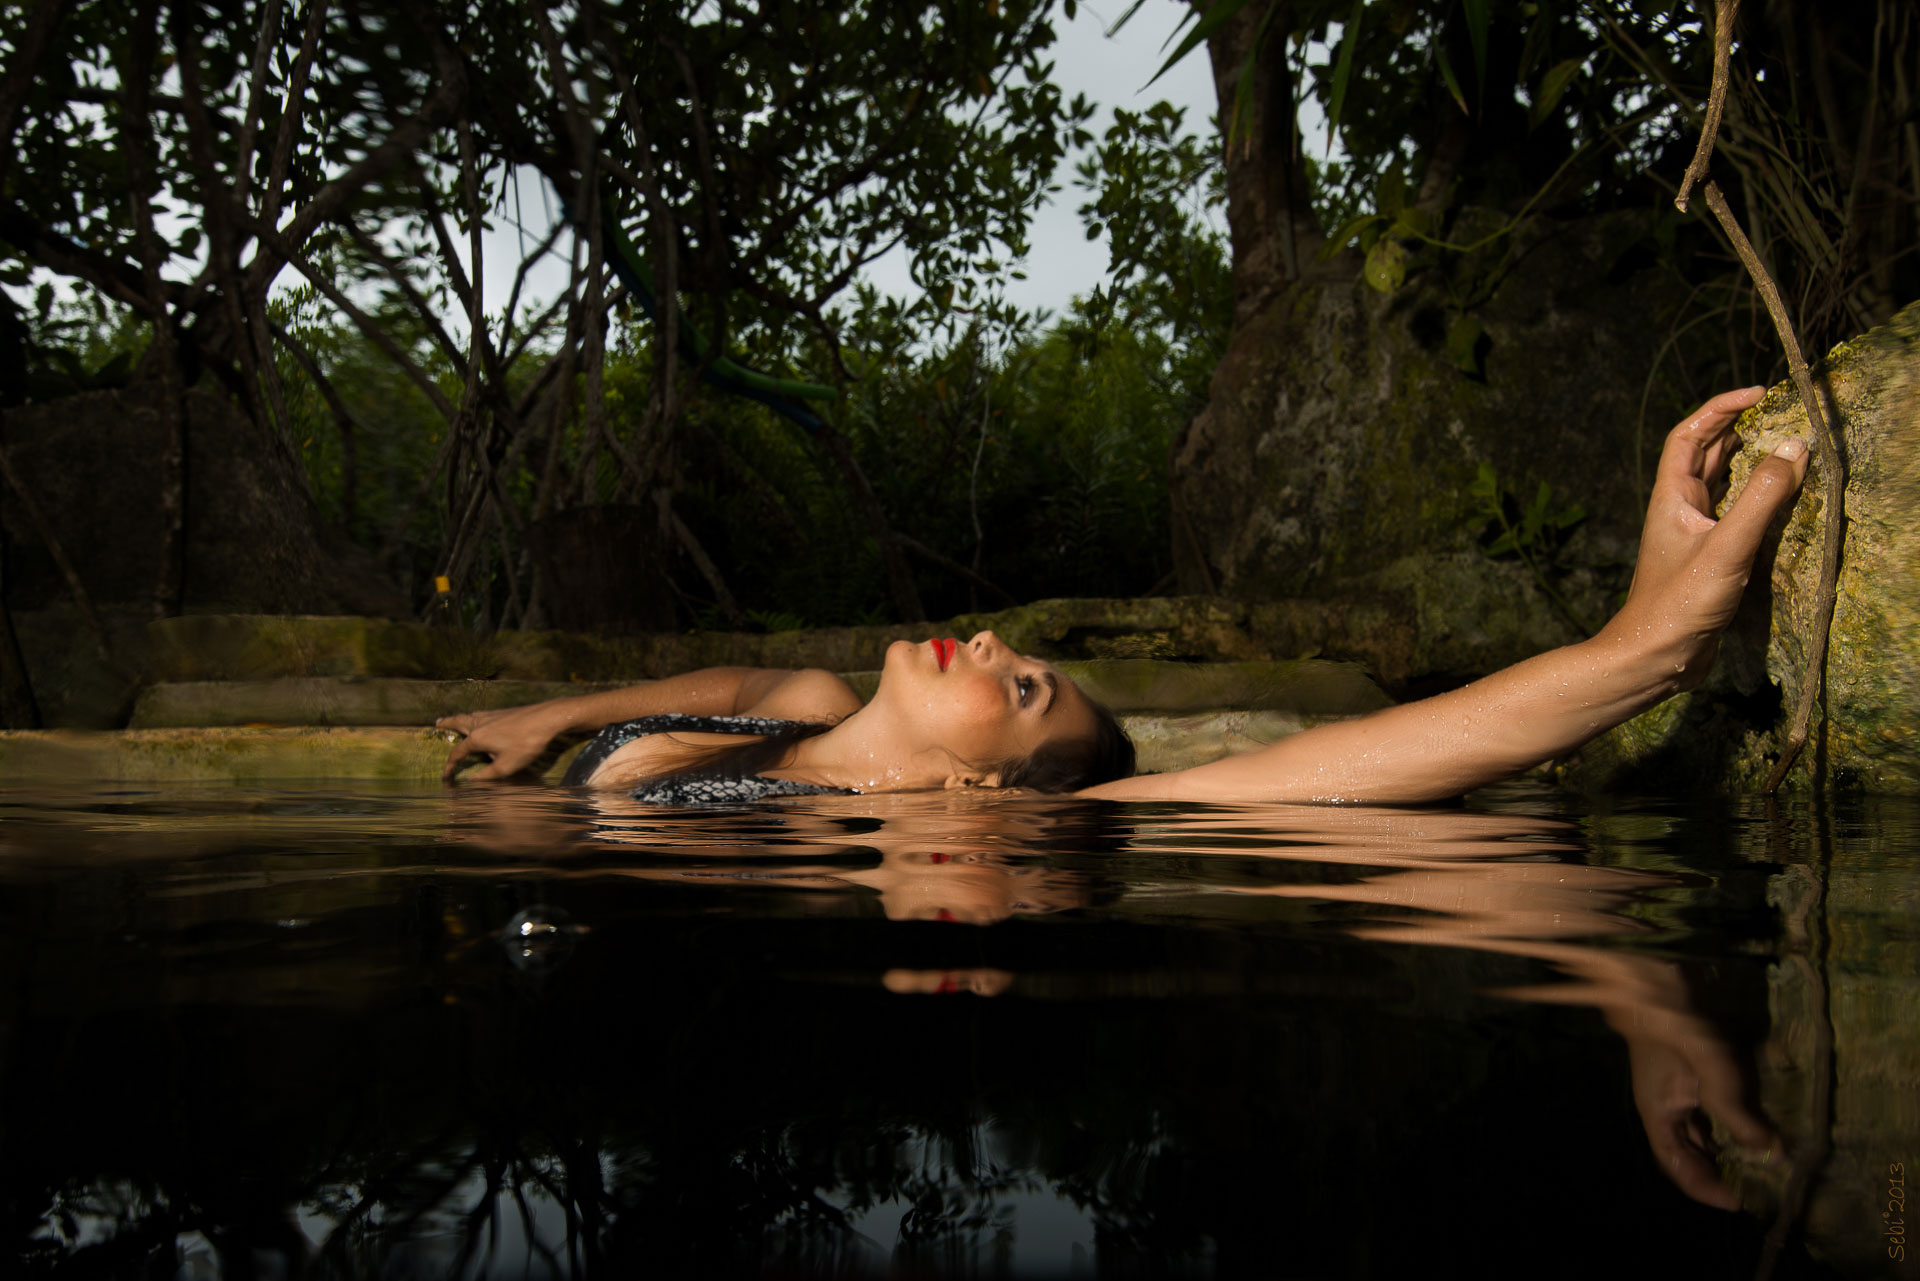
515 738
1681 1065
1686 586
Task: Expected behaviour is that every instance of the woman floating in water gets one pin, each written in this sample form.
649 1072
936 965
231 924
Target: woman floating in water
979 715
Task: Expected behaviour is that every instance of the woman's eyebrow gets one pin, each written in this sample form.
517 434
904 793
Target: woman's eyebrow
1053 691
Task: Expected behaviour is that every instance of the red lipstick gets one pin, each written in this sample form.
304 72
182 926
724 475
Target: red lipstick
943 651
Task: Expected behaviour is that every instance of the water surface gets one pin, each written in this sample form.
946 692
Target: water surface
512 1032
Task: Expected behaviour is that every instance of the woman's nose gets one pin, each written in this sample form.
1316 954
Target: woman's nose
985 646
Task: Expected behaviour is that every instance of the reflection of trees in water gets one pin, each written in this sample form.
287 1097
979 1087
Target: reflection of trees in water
499 1192
714 1091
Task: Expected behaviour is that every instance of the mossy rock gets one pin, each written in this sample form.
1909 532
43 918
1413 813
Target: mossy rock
1729 733
266 647
417 754
1835 1071
1344 433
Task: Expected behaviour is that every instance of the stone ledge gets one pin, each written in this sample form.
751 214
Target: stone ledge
416 754
1307 687
319 701
198 647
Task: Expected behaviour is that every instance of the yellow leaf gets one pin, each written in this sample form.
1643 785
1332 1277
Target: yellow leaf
1386 265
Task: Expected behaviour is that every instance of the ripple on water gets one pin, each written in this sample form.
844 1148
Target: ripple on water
953 1032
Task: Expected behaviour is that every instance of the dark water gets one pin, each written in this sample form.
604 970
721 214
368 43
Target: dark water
508 1033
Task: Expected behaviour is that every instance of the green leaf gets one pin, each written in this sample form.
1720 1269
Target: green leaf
1243 93
1344 236
1210 22
1479 13
1535 515
1122 20
1552 86
1073 10
1449 79
1390 196
1486 488
1343 69
1386 265
1502 544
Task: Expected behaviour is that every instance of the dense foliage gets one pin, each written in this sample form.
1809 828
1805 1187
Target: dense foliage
287 202
290 201
1457 121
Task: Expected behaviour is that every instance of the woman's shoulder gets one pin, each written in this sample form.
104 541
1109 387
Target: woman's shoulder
810 694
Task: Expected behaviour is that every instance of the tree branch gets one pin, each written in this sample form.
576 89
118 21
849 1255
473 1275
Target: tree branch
954 567
1833 514
137 82
290 112
115 279
22 71
1716 102
331 200
722 595
37 518
256 91
272 241
349 426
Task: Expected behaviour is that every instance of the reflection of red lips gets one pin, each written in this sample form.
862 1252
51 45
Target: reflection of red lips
943 651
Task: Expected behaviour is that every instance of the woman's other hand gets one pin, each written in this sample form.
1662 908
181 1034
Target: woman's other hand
1693 568
512 739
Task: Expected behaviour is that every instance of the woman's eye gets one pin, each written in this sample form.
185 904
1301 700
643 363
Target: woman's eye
1025 684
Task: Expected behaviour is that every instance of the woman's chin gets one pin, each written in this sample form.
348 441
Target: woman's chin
901 651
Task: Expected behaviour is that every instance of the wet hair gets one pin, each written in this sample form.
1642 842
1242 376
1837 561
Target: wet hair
1069 764
1063 765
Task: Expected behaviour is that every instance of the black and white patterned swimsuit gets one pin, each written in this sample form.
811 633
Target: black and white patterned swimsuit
711 790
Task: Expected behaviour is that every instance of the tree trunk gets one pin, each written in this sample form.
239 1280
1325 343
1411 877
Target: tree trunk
1346 427
1276 238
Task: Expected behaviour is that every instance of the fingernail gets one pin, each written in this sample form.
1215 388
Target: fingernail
1793 449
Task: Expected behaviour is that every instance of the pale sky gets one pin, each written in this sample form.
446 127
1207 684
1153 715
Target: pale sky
1062 262
1111 72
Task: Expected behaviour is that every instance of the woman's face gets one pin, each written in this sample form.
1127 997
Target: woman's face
980 702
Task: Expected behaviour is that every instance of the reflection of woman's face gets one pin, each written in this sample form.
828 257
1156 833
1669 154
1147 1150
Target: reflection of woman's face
968 888
980 702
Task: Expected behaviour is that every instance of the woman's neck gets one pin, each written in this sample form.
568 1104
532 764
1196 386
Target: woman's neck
863 752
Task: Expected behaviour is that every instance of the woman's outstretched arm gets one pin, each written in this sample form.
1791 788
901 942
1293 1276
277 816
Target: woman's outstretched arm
1686 586
515 737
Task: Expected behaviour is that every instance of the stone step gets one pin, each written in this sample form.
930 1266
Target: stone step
1307 687
332 700
199 647
417 754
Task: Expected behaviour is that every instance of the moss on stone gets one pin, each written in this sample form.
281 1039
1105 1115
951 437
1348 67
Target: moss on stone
1731 730
212 755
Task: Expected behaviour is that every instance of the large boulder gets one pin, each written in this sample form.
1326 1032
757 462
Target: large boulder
1346 427
255 540
1728 734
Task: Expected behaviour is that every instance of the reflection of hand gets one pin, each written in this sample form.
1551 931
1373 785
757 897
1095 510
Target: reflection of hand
512 739
1681 1080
